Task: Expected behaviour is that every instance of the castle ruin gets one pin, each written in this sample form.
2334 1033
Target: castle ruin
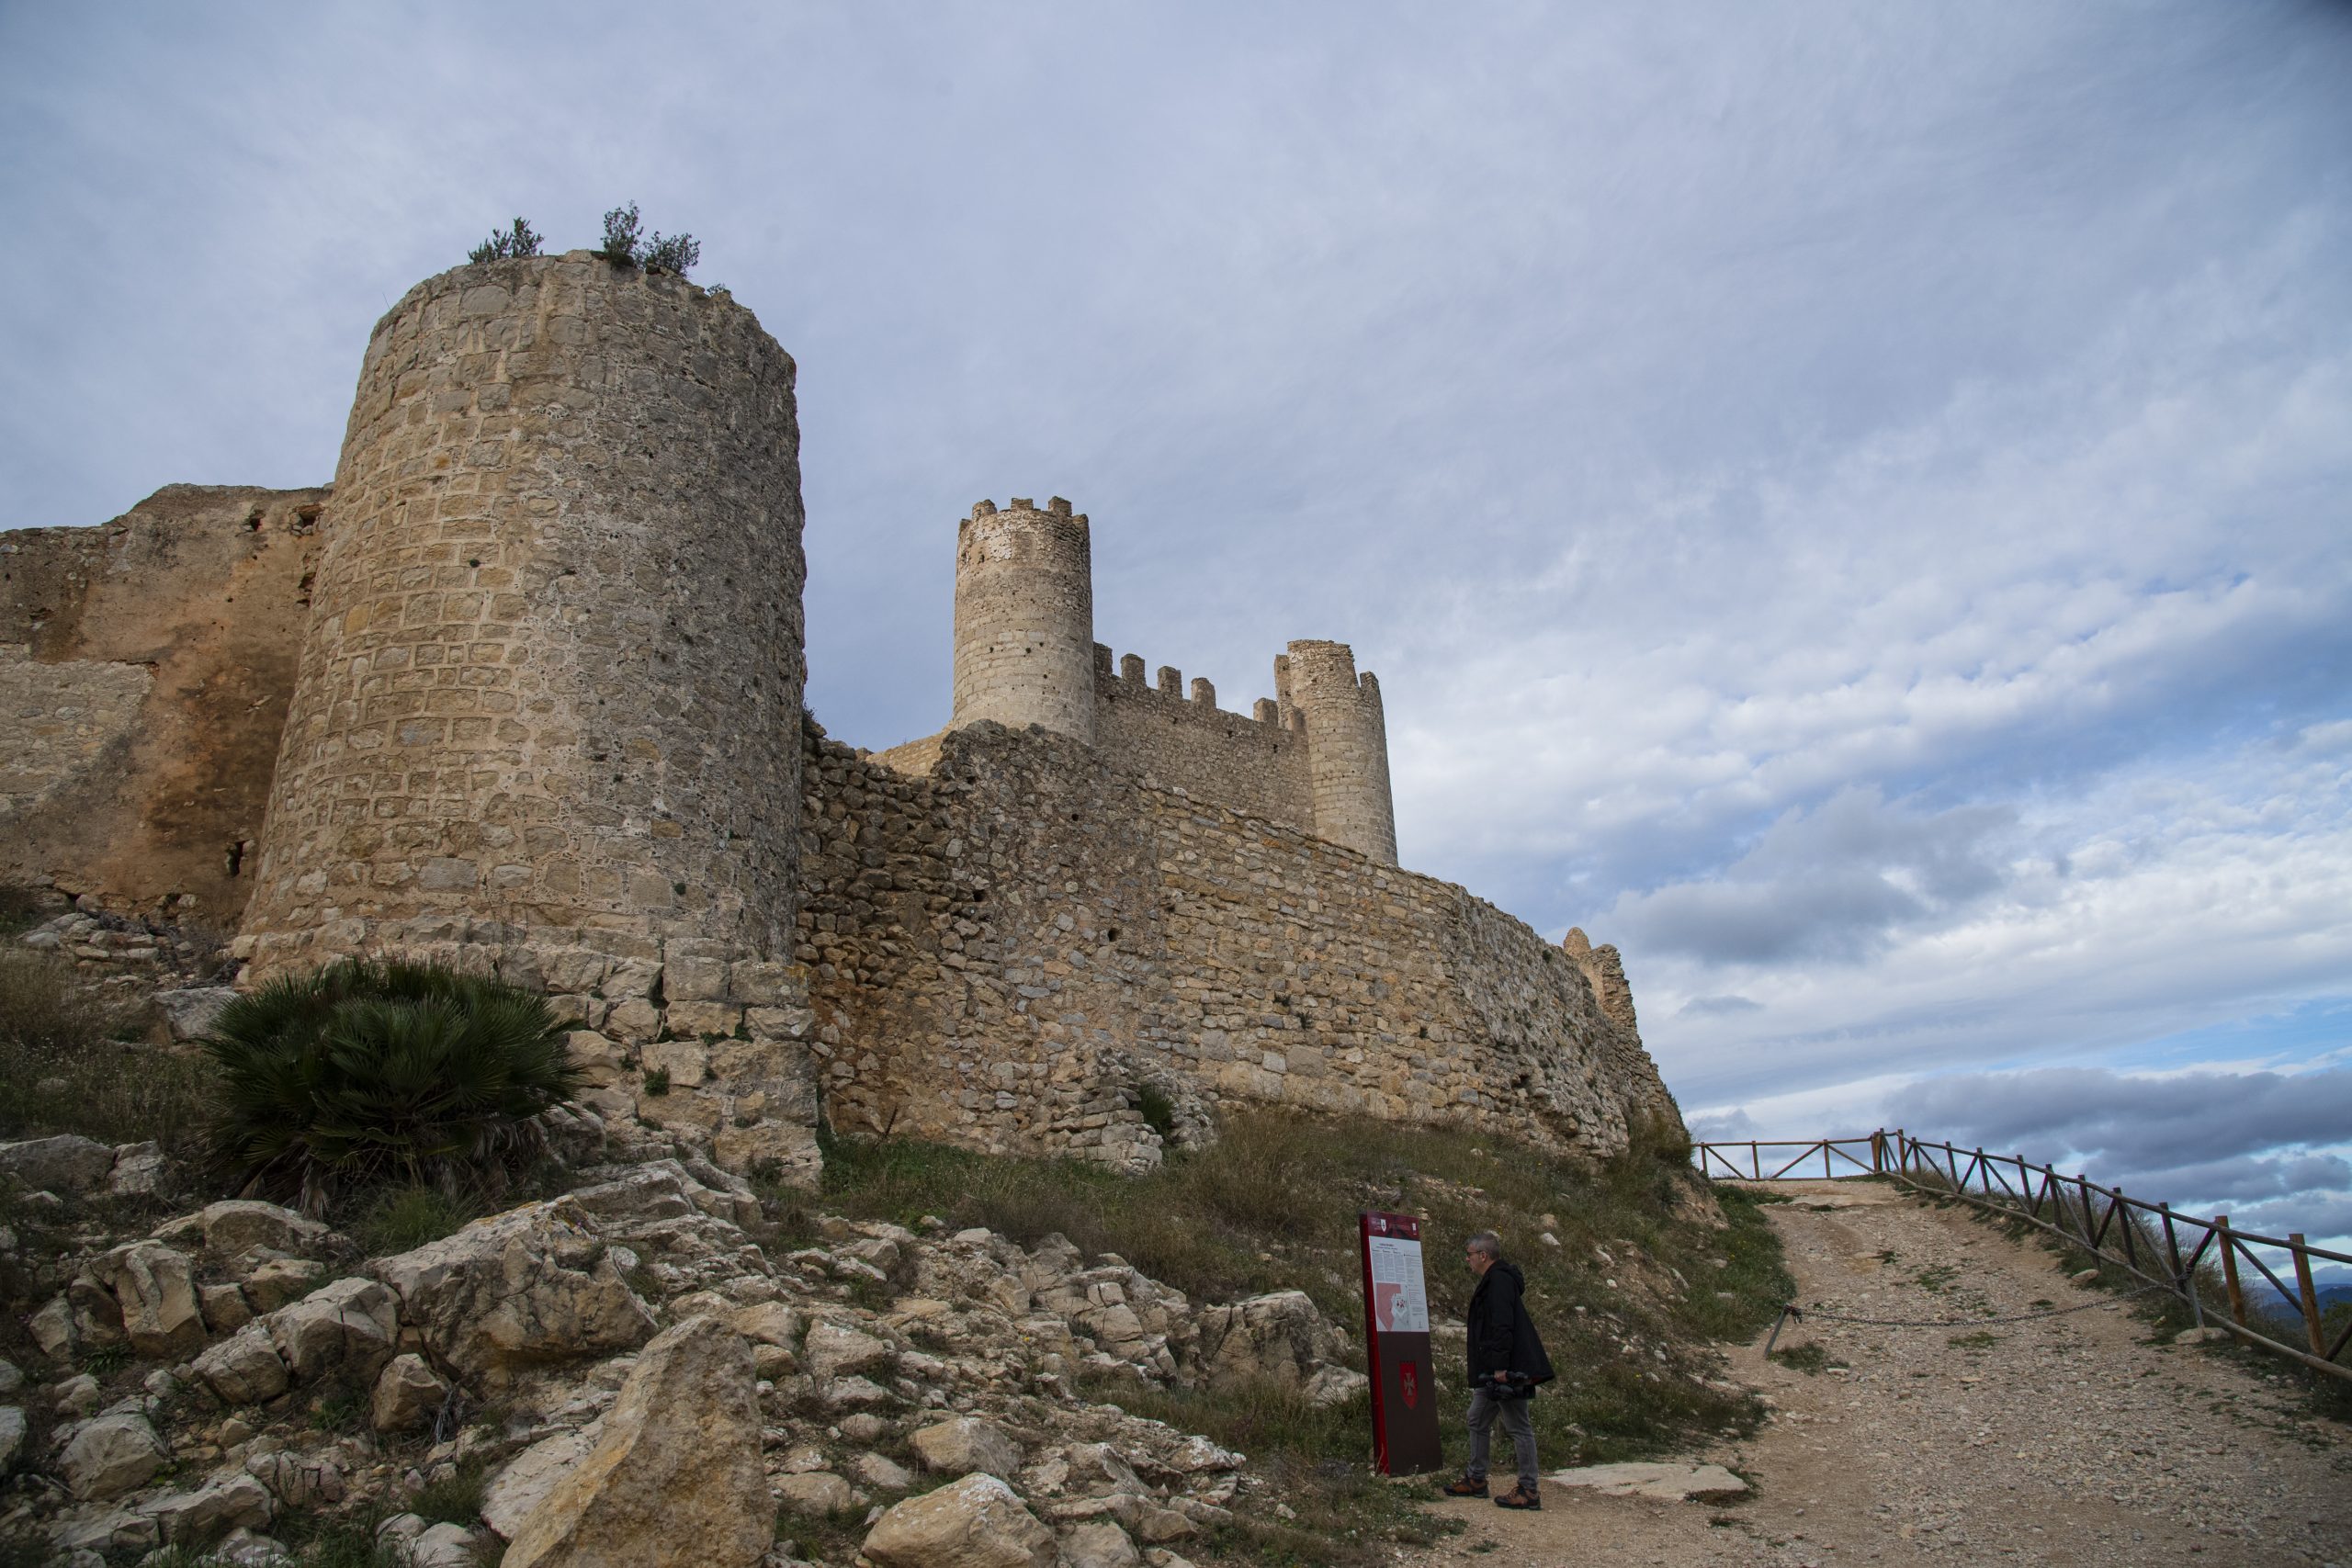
522 691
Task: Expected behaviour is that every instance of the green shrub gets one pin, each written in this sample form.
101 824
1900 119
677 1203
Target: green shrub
624 245
363 1072
405 1218
518 240
1158 1112
62 1069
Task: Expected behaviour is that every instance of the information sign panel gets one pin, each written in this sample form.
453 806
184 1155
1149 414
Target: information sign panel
1397 1341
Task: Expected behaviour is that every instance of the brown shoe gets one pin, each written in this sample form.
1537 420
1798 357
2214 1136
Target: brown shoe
1468 1487
1520 1497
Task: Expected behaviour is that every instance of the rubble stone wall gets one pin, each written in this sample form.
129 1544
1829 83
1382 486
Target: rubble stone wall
145 668
1009 951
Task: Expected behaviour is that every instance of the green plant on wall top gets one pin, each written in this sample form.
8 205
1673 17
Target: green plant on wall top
624 244
363 1072
518 240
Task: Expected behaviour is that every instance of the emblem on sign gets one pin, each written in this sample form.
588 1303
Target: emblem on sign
1409 1376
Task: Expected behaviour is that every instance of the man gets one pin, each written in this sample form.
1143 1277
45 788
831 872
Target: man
1506 1361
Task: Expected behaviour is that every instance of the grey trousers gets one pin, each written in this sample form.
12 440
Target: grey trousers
1485 1408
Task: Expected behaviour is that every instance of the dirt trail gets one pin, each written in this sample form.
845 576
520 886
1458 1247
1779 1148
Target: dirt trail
2068 1441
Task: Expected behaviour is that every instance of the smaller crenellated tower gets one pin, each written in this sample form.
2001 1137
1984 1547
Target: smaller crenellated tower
1347 745
1024 618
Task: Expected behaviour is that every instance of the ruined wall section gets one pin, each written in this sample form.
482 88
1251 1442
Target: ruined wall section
1254 766
145 668
1006 952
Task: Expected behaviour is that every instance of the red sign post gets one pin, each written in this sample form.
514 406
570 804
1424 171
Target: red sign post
1397 1345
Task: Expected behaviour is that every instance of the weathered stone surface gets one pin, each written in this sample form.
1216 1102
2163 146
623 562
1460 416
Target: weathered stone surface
237 1224
109 1456
527 1479
66 1163
1101 1544
210 1510
977 1522
833 1351
529 1286
52 1327
347 1326
225 1308
244 1368
965 1444
280 1281
675 1480
882 1472
814 1492
155 1289
12 1435
1336 1385
408 1394
189 1013
1279 1337
138 1171
1662 1482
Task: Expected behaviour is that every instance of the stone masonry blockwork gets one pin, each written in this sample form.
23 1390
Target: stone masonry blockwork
554 669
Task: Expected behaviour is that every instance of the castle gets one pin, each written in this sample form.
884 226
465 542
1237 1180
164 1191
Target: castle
522 690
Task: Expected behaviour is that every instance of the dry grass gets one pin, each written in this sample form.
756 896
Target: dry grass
64 1066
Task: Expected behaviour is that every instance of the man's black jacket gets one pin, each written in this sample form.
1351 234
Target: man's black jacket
1503 1337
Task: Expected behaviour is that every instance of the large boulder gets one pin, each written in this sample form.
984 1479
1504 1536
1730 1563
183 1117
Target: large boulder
244 1368
1101 1544
832 1350
408 1394
965 1444
349 1326
675 1480
155 1288
516 1492
210 1510
1280 1338
529 1286
67 1161
238 1225
110 1456
977 1522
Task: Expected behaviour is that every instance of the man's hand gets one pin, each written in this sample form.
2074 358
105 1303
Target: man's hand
1502 1377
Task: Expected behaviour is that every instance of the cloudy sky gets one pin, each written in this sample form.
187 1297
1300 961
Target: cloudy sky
1848 501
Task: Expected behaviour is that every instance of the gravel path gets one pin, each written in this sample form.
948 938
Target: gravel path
2070 1440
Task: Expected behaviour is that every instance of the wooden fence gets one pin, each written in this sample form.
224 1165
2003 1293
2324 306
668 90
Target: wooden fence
2144 1239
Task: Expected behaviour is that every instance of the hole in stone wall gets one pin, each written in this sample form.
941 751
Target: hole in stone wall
1111 935
236 858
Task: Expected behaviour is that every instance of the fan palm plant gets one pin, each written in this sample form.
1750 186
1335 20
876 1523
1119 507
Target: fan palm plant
365 1072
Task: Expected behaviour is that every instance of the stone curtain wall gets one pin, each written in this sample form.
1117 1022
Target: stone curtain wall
1004 953
554 668
1024 618
145 668
1259 769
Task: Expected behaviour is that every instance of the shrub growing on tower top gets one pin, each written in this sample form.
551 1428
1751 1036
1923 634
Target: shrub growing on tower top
519 241
626 246
363 1072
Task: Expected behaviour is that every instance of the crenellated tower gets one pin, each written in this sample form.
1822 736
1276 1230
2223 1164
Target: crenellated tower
1024 618
1347 745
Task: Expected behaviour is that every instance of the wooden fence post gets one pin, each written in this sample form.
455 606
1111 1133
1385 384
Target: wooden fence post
2230 1270
2310 1295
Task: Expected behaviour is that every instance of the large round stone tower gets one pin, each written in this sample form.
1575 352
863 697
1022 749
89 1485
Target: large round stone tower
1024 618
1347 745
554 668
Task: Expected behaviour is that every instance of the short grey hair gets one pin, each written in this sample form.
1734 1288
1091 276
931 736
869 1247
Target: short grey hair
1487 1242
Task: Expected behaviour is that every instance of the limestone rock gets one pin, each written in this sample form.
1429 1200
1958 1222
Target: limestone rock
208 1510
1336 1385
815 1492
68 1162
964 1445
1279 1337
835 1351
675 1480
224 1307
52 1327
280 1281
349 1326
517 1490
189 1012
977 1522
138 1171
1662 1482
238 1225
110 1456
12 1435
532 1285
409 1393
767 1322
244 1368
155 1288
444 1546
882 1472
1101 1544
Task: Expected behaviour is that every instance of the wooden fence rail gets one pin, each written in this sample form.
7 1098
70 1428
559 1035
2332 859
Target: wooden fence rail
2144 1239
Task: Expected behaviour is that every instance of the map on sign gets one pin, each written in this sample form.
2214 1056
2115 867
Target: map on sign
1399 1305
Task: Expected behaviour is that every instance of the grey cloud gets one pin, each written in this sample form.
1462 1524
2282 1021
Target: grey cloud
1837 882
2129 1121
1716 1007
